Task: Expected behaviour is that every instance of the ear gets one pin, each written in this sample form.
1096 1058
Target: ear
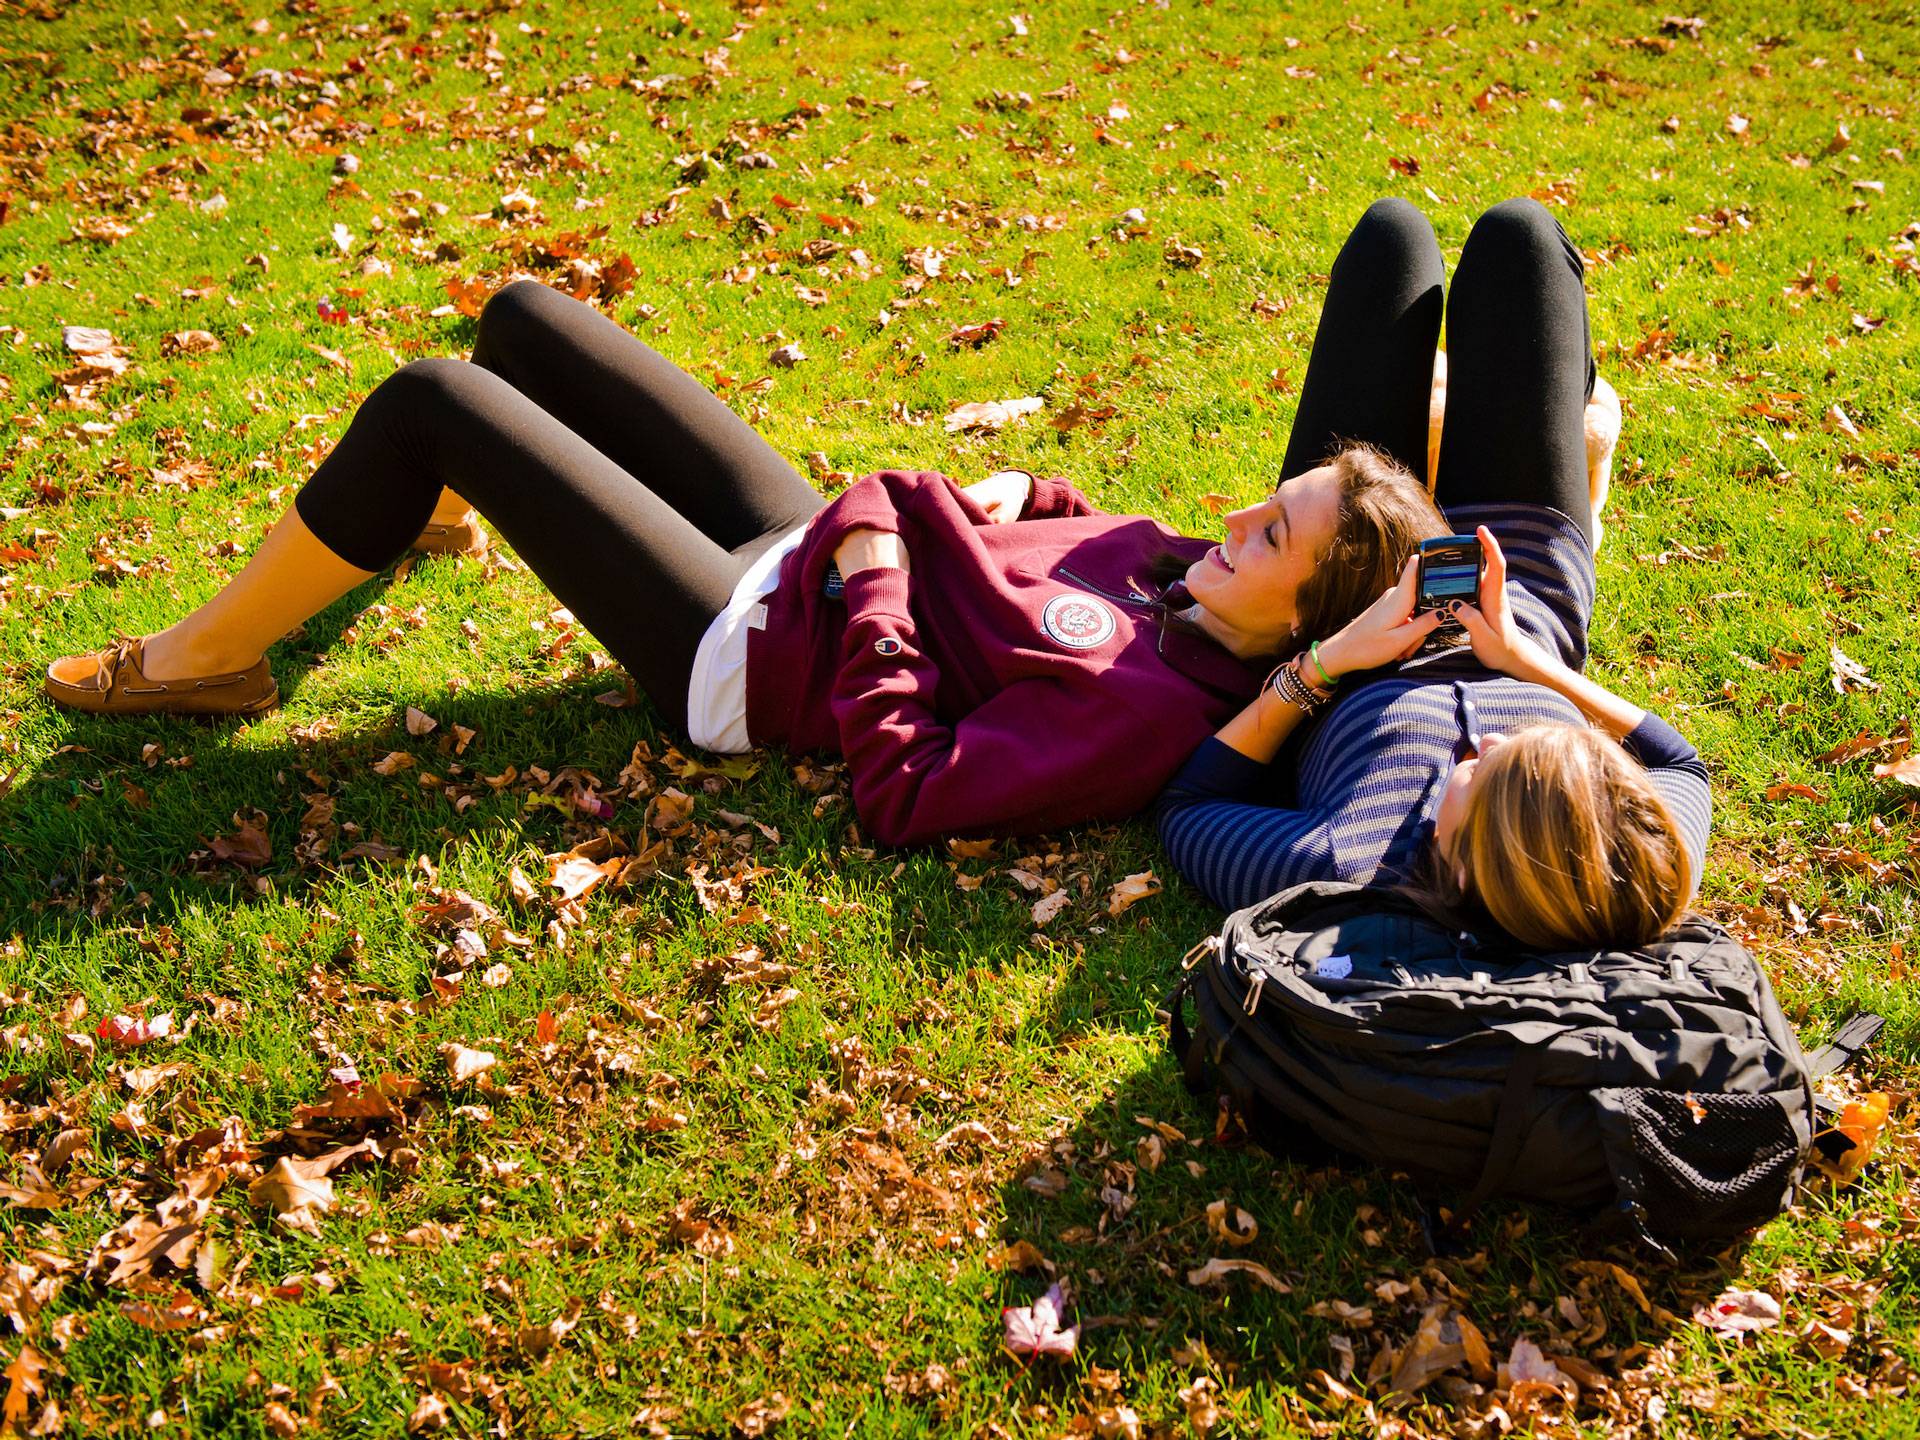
1460 877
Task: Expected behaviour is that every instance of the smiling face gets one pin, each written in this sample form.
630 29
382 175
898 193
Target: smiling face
1249 582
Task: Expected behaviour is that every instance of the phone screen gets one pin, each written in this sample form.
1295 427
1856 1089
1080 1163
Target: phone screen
1451 580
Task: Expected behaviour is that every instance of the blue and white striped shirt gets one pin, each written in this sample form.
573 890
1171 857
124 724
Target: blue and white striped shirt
1371 769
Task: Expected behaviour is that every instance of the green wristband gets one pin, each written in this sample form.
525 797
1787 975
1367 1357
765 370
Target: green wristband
1313 654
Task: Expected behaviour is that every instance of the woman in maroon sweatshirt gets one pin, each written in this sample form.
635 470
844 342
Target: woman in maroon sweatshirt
993 658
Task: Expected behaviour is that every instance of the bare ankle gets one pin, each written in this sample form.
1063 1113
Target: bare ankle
167 656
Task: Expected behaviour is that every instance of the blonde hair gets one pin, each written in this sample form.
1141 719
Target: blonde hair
1566 845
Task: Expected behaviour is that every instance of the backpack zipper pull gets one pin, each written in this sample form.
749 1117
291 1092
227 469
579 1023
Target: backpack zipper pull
1253 995
1206 947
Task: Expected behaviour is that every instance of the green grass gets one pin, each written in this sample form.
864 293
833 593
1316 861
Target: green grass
846 1264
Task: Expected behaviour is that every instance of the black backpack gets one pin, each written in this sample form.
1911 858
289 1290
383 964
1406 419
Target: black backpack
1662 1088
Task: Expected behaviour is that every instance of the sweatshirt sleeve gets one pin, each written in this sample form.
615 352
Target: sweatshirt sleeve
1677 773
1235 852
1054 499
916 778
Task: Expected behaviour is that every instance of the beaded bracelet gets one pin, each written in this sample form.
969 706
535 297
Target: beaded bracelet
1285 682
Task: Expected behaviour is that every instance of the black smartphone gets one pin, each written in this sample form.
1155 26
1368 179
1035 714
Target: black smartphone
1450 569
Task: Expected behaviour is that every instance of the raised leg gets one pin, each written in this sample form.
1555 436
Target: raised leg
643 412
1519 368
630 567
1372 367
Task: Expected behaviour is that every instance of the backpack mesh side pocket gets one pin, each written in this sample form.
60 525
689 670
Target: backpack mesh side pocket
1700 1166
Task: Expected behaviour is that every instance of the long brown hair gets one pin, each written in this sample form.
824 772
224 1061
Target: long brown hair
1384 514
1565 845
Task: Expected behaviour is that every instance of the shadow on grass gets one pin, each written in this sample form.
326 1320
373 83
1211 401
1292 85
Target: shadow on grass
1119 1202
105 829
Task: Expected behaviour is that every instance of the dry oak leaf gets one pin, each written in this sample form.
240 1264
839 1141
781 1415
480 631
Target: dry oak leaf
165 1237
430 1413
355 1099
1444 1340
248 846
463 1064
104 228
1131 891
987 417
1235 1227
975 335
574 875
1217 1270
707 1237
757 1417
25 1384
87 340
1737 1312
1355 1317
1048 906
298 1191
1022 1256
1847 673
189 342
1906 771
536 1340
967 1132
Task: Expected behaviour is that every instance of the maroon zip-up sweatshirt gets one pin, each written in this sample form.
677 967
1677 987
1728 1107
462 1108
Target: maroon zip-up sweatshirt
1020 678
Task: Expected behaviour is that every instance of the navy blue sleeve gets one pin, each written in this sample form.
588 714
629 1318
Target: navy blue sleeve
1677 773
1234 852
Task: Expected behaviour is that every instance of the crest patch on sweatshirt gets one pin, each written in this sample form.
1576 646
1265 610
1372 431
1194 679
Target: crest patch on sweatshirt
1078 621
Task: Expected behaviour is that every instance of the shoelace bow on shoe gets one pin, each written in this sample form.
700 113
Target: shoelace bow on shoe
108 662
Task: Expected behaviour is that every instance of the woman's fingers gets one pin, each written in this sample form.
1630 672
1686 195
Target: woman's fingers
1398 603
1470 617
1495 580
1409 580
1417 630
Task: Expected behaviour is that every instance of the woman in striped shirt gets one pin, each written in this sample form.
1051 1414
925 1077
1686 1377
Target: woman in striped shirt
1490 773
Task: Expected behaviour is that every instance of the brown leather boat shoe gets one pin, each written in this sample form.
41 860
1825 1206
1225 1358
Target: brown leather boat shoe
463 537
118 687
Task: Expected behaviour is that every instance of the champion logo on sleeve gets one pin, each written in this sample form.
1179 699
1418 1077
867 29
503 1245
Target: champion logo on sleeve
887 645
1078 621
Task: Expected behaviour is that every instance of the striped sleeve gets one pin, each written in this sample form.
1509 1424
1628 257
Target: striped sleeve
1238 853
1677 773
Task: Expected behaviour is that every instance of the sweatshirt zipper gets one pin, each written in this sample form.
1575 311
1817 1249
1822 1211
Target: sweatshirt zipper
1134 599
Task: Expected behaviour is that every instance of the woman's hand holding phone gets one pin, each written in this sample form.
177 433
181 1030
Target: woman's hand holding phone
1390 629
1498 642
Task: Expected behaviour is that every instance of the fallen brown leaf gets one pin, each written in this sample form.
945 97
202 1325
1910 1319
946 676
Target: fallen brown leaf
1217 1270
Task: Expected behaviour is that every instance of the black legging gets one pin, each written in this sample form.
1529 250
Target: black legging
1519 357
634 493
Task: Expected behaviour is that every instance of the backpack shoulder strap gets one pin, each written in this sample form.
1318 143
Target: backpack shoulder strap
1509 1130
1854 1035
